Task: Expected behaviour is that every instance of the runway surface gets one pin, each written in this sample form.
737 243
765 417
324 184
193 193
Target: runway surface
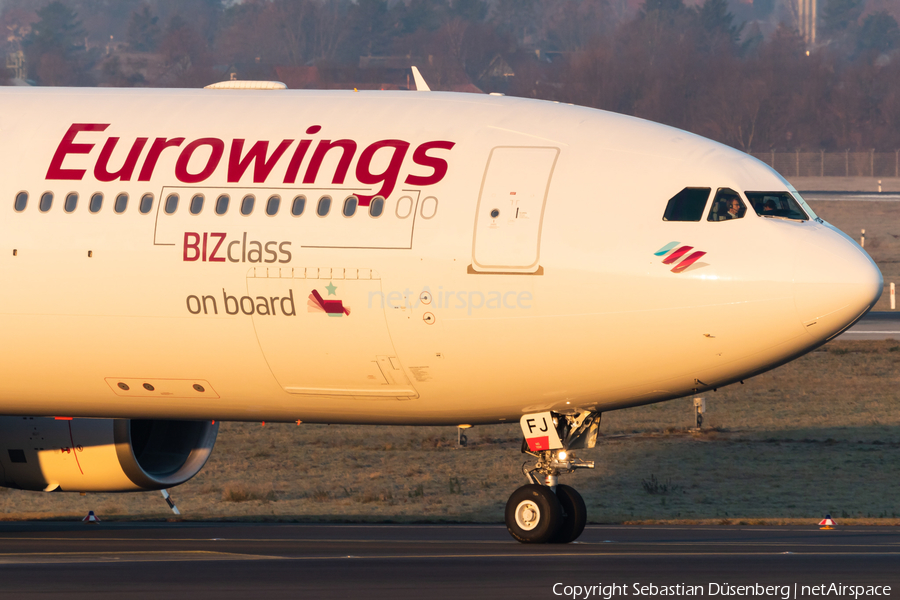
875 326
176 560
813 196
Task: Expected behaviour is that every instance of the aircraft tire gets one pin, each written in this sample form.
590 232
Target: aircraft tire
533 514
574 515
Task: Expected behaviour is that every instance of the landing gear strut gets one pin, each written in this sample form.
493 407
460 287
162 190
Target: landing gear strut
544 510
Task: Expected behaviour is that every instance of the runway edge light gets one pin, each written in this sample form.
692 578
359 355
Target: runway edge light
90 518
827 523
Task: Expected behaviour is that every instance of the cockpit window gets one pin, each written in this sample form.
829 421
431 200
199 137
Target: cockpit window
777 204
687 205
727 205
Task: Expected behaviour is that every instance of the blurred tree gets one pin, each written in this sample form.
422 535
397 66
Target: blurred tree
568 25
143 30
666 8
268 32
373 27
186 55
419 15
518 18
717 25
841 16
879 33
55 47
203 15
753 39
457 53
330 33
762 9
104 20
474 11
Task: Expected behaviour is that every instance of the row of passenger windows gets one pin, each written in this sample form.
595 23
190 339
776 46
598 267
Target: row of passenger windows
690 203
197 201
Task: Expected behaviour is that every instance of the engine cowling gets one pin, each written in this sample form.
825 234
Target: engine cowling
102 455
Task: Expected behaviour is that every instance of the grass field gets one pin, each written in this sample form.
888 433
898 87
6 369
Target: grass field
819 435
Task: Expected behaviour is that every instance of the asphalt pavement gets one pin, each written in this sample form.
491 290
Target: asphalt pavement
875 326
223 561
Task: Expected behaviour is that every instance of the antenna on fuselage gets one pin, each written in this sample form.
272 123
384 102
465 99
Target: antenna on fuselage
421 86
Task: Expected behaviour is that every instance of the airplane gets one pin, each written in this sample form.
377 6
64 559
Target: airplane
175 258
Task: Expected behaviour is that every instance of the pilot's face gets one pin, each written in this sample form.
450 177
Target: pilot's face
735 206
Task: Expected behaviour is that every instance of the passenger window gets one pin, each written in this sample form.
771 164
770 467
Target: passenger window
21 201
196 204
350 205
298 206
376 206
96 203
687 205
121 203
272 205
404 207
171 204
71 202
222 204
777 204
247 205
727 206
146 204
46 201
324 206
429 207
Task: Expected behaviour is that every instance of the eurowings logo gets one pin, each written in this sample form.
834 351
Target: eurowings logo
333 308
680 254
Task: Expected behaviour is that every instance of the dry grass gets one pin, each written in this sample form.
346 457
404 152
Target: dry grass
882 237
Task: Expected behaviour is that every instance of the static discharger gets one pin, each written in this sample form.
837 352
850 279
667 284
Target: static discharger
827 523
90 518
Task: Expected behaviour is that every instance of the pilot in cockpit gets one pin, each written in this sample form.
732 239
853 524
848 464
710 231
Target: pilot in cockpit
734 209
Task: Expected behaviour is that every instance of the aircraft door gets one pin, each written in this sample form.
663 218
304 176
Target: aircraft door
511 209
323 332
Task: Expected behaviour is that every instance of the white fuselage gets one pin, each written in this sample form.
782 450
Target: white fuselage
447 314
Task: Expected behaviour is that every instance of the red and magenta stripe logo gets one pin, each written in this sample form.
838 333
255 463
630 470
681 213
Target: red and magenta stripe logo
680 256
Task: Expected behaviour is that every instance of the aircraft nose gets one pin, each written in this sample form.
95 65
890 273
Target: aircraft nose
835 281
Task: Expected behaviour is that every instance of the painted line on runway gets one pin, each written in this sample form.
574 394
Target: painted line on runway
370 541
583 554
128 556
179 557
858 331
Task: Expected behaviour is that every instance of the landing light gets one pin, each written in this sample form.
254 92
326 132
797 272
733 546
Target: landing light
562 455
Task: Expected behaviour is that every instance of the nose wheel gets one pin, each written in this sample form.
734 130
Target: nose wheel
533 514
537 515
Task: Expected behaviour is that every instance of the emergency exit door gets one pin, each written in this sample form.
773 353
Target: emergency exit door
511 209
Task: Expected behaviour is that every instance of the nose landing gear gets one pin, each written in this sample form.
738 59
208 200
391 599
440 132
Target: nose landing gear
545 511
